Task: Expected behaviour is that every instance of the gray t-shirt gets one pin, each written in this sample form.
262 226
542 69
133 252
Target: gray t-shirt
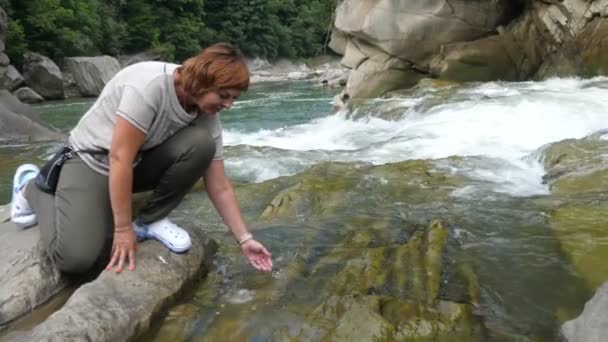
144 95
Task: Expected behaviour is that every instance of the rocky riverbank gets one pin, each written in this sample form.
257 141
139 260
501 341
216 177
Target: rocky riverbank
112 307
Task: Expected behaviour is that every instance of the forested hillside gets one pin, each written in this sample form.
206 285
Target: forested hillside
175 28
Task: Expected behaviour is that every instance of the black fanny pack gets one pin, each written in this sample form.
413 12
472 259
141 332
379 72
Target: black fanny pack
48 177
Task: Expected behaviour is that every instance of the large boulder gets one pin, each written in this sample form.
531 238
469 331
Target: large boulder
375 72
70 87
19 122
476 41
415 30
498 57
92 73
577 38
592 324
43 76
11 79
388 43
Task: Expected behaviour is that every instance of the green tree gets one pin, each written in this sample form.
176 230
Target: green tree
142 31
182 26
15 42
58 28
113 32
178 28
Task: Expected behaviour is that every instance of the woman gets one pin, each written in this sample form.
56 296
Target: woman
159 126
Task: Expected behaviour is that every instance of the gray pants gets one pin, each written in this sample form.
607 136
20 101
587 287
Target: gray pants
77 224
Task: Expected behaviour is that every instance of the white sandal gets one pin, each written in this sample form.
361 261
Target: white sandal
165 231
22 213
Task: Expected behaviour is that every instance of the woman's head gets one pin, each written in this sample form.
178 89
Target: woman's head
219 71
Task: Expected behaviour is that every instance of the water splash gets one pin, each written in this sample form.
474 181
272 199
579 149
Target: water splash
503 123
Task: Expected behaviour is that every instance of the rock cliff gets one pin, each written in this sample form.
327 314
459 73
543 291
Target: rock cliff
392 44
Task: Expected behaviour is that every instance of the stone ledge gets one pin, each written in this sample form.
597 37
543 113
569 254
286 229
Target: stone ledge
27 277
113 307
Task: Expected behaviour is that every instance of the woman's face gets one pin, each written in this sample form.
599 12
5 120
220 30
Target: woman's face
214 101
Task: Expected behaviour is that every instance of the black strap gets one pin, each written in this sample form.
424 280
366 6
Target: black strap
100 152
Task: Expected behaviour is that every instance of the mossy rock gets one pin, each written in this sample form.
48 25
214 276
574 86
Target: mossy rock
577 173
385 318
583 232
577 166
410 270
333 188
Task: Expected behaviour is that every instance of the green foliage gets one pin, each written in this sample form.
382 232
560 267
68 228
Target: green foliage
15 42
176 28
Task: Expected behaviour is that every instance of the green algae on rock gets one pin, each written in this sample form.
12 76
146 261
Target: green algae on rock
584 240
331 188
386 295
578 175
577 166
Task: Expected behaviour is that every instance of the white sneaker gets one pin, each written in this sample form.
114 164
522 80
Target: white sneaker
22 213
165 231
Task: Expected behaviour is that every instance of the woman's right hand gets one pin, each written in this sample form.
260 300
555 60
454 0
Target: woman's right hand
259 257
124 247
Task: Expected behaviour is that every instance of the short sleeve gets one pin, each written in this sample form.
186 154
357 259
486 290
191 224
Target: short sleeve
219 147
135 109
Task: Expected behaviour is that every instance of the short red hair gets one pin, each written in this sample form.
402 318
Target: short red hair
220 66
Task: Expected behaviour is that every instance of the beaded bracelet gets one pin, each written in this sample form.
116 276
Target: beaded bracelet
246 237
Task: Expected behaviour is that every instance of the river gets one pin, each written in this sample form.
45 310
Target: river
488 137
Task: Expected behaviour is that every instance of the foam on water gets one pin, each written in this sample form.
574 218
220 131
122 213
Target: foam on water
503 122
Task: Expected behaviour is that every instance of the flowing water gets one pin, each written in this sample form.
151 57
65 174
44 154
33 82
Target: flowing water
491 135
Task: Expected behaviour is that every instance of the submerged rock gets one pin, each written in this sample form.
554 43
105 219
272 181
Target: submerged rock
408 277
411 270
364 292
330 188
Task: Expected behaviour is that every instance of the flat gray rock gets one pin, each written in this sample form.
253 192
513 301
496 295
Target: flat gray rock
92 73
113 307
592 324
27 277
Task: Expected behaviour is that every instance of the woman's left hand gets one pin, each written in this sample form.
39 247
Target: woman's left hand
259 257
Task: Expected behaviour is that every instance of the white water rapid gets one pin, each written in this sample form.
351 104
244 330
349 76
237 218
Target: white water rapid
501 125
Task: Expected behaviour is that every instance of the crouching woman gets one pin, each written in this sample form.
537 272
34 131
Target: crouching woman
155 127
